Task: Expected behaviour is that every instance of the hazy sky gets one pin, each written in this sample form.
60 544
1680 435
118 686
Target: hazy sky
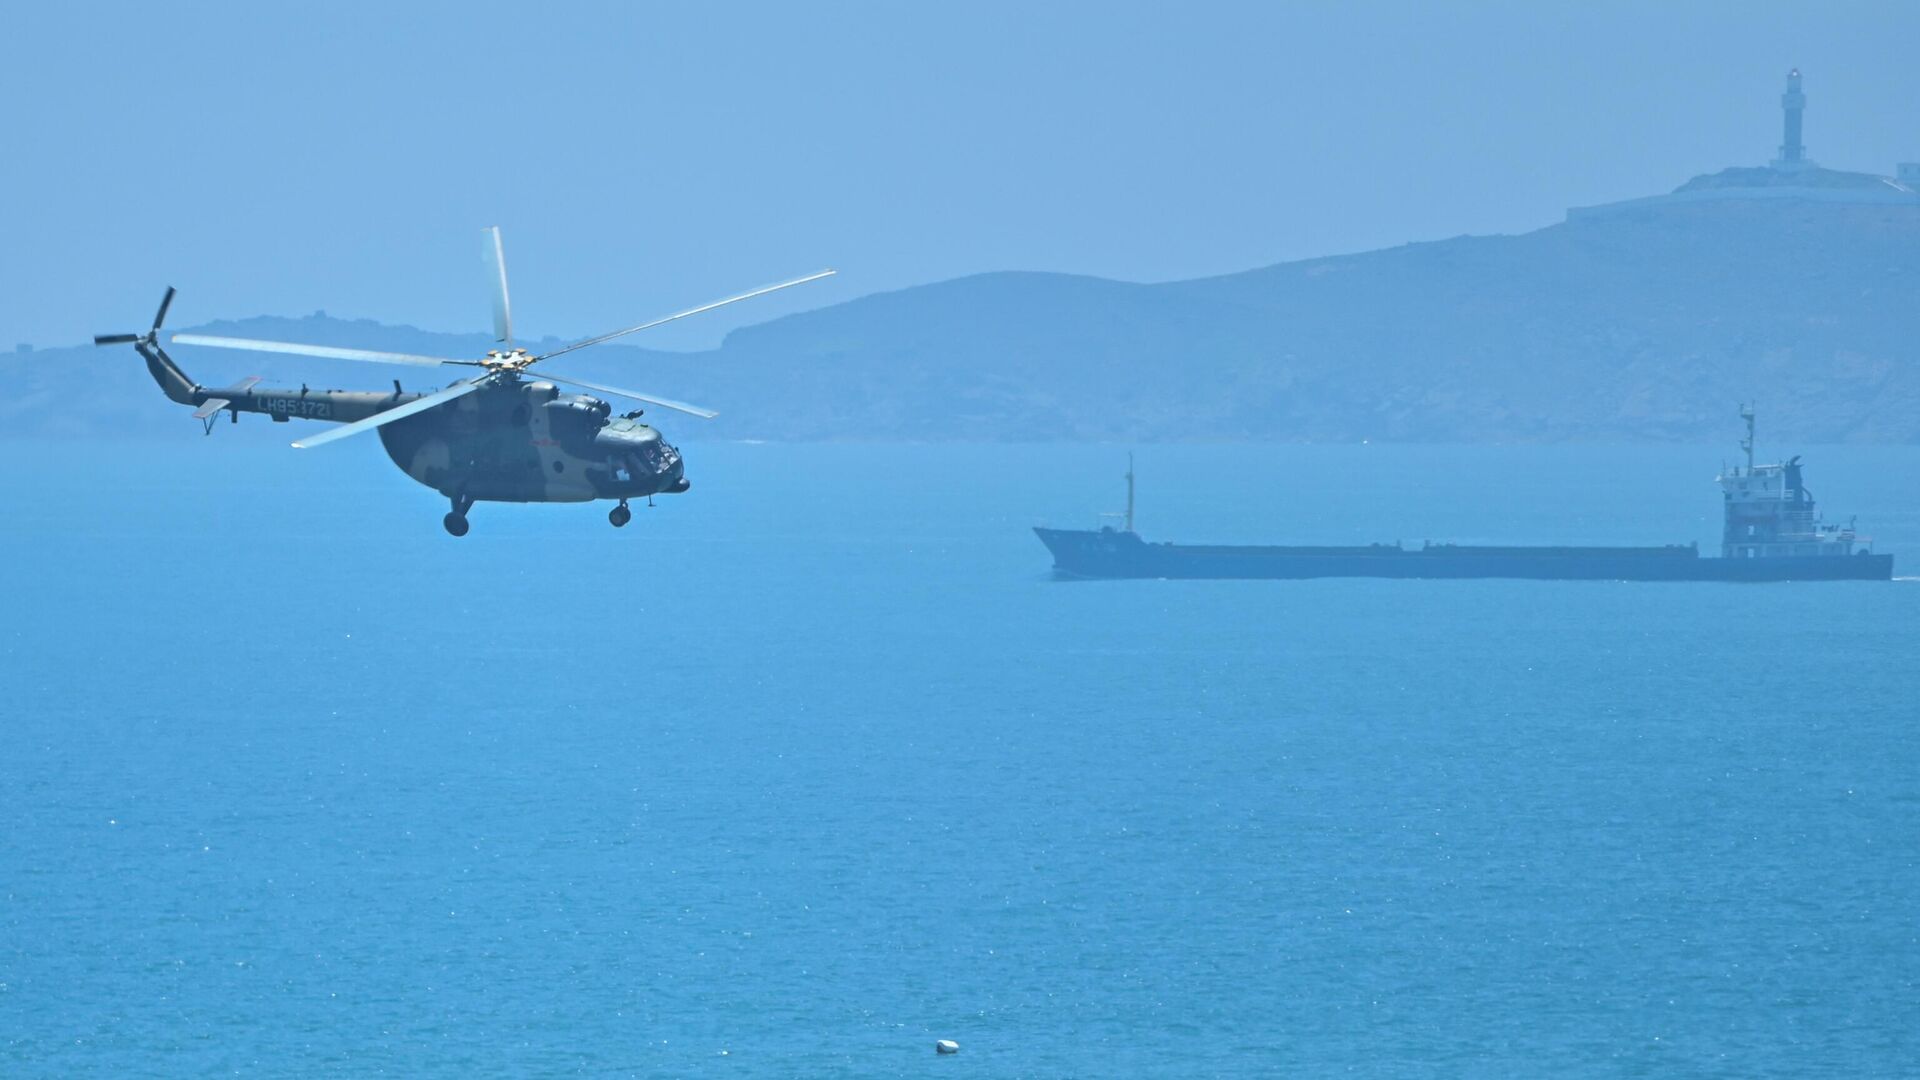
272 158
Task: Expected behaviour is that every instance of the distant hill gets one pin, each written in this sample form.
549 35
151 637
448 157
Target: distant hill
1646 324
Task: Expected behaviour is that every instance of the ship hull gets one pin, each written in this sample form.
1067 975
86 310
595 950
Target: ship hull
1108 553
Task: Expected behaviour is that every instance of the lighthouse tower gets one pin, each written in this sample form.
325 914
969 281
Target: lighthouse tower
1792 154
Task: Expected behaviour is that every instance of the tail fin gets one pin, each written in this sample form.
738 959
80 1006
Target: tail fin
172 380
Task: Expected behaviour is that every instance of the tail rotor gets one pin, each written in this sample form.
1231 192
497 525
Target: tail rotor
151 336
172 380
161 315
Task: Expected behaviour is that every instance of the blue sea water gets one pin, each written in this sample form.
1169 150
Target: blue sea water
815 765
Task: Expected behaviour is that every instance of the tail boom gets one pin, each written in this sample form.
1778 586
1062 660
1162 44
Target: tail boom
340 406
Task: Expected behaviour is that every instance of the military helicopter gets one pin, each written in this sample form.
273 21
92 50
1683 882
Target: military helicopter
503 435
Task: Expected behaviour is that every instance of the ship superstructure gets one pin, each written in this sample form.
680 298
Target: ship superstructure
1770 513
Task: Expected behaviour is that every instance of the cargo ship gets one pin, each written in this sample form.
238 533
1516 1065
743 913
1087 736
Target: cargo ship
1772 532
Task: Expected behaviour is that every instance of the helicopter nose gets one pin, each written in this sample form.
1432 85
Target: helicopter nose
672 472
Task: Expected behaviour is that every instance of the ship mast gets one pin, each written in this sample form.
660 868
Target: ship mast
1746 413
1129 491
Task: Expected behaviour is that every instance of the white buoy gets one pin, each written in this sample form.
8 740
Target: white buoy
946 1046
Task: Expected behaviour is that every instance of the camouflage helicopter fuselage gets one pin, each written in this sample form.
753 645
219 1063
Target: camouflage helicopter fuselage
505 435
514 440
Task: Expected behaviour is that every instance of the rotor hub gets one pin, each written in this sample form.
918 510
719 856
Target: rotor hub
506 360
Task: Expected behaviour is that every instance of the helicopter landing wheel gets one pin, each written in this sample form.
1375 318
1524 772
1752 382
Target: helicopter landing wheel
456 519
620 515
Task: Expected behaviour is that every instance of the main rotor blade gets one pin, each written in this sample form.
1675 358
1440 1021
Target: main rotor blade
417 405
115 339
683 314
496 259
665 403
165 303
327 351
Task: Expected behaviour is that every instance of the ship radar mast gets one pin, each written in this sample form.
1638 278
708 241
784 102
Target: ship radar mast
1126 518
1746 413
1129 491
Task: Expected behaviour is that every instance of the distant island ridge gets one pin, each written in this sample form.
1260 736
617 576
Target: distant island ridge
1643 320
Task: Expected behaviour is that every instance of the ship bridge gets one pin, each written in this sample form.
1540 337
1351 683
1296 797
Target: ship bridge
1770 513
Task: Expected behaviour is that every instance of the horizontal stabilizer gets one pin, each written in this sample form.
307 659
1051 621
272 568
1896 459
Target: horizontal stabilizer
212 406
246 384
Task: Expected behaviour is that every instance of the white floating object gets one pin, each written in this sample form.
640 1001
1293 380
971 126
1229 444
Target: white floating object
946 1046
